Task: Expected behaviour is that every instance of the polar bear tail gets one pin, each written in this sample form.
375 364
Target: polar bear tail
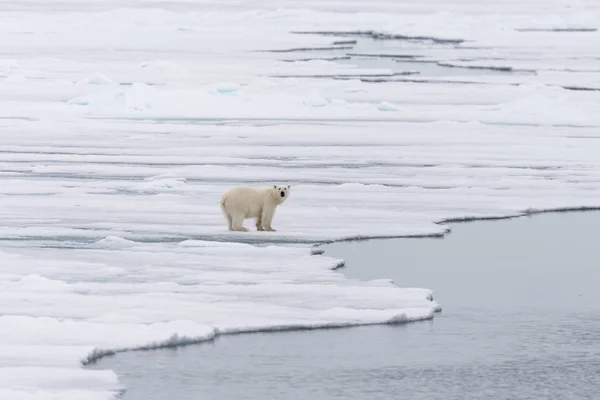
223 206
226 214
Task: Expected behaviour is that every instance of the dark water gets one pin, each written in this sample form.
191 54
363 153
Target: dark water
521 320
406 58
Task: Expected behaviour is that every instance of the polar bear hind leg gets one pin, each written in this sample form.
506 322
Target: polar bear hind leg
237 222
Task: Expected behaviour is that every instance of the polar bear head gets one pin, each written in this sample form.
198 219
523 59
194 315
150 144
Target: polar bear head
280 192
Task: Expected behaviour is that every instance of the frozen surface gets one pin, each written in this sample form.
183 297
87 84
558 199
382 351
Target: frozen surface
123 123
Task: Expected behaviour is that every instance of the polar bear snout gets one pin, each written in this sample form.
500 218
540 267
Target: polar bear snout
282 194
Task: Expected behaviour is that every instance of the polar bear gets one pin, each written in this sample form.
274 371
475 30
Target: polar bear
241 202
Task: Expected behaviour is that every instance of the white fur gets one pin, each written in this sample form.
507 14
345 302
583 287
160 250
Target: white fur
243 202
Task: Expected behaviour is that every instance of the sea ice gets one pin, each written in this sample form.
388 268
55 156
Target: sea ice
386 106
122 125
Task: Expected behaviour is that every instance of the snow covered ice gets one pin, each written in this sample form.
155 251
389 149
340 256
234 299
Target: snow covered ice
122 123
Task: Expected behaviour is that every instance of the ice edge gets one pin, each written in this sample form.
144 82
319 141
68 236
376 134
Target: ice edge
180 341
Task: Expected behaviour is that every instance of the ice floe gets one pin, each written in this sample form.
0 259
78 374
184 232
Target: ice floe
121 132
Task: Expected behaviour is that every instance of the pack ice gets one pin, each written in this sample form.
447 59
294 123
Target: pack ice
122 125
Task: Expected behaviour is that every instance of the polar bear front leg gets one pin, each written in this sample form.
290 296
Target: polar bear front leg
267 217
259 226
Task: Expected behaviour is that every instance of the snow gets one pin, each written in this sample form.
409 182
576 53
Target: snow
124 122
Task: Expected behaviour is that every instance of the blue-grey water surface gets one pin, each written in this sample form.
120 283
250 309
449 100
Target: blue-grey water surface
521 320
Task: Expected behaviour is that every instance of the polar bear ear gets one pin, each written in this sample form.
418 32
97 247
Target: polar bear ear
274 186
288 186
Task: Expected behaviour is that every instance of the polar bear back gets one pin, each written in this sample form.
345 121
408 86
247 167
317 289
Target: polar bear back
247 200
